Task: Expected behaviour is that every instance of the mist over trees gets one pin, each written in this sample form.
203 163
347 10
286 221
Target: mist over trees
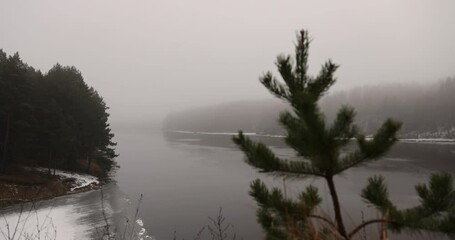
54 119
426 111
252 116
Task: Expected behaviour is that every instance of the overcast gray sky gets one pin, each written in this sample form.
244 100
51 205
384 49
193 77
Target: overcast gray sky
147 58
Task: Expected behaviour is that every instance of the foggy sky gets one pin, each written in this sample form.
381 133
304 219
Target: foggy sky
147 58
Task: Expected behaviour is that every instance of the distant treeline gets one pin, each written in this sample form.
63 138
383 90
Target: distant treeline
52 120
426 110
250 116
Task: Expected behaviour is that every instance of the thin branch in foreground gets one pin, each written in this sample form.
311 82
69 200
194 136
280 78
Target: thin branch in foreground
366 223
218 229
324 219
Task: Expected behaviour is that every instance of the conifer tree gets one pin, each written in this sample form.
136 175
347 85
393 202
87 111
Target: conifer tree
53 119
318 145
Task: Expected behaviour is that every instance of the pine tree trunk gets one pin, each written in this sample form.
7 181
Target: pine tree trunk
55 164
50 162
89 162
336 207
5 145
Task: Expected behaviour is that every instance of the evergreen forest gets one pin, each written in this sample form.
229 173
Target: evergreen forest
52 119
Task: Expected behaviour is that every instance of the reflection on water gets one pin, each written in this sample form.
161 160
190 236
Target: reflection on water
75 216
186 177
431 156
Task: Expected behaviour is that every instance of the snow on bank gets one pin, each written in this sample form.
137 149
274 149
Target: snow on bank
80 180
129 223
42 223
142 234
428 140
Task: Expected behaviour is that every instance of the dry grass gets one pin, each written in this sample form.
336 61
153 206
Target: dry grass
20 185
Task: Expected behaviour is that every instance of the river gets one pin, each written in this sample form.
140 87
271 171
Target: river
186 178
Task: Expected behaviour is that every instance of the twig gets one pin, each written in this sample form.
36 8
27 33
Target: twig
104 215
332 224
135 216
199 234
364 224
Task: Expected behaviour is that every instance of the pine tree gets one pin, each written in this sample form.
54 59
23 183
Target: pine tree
15 107
318 144
52 120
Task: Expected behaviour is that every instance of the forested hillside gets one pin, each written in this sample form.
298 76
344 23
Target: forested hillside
51 119
427 111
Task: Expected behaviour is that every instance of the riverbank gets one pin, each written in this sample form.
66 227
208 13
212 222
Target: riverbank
79 216
26 184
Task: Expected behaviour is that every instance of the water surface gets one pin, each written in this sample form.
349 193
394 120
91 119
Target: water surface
185 178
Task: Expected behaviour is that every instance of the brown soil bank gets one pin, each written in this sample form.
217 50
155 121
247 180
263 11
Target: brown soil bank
24 185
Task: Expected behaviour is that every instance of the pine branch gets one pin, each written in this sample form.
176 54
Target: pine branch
281 217
321 84
369 150
384 138
260 156
299 135
439 194
435 213
310 197
284 65
301 56
377 194
274 87
343 128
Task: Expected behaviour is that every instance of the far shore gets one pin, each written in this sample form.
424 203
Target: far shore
410 140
